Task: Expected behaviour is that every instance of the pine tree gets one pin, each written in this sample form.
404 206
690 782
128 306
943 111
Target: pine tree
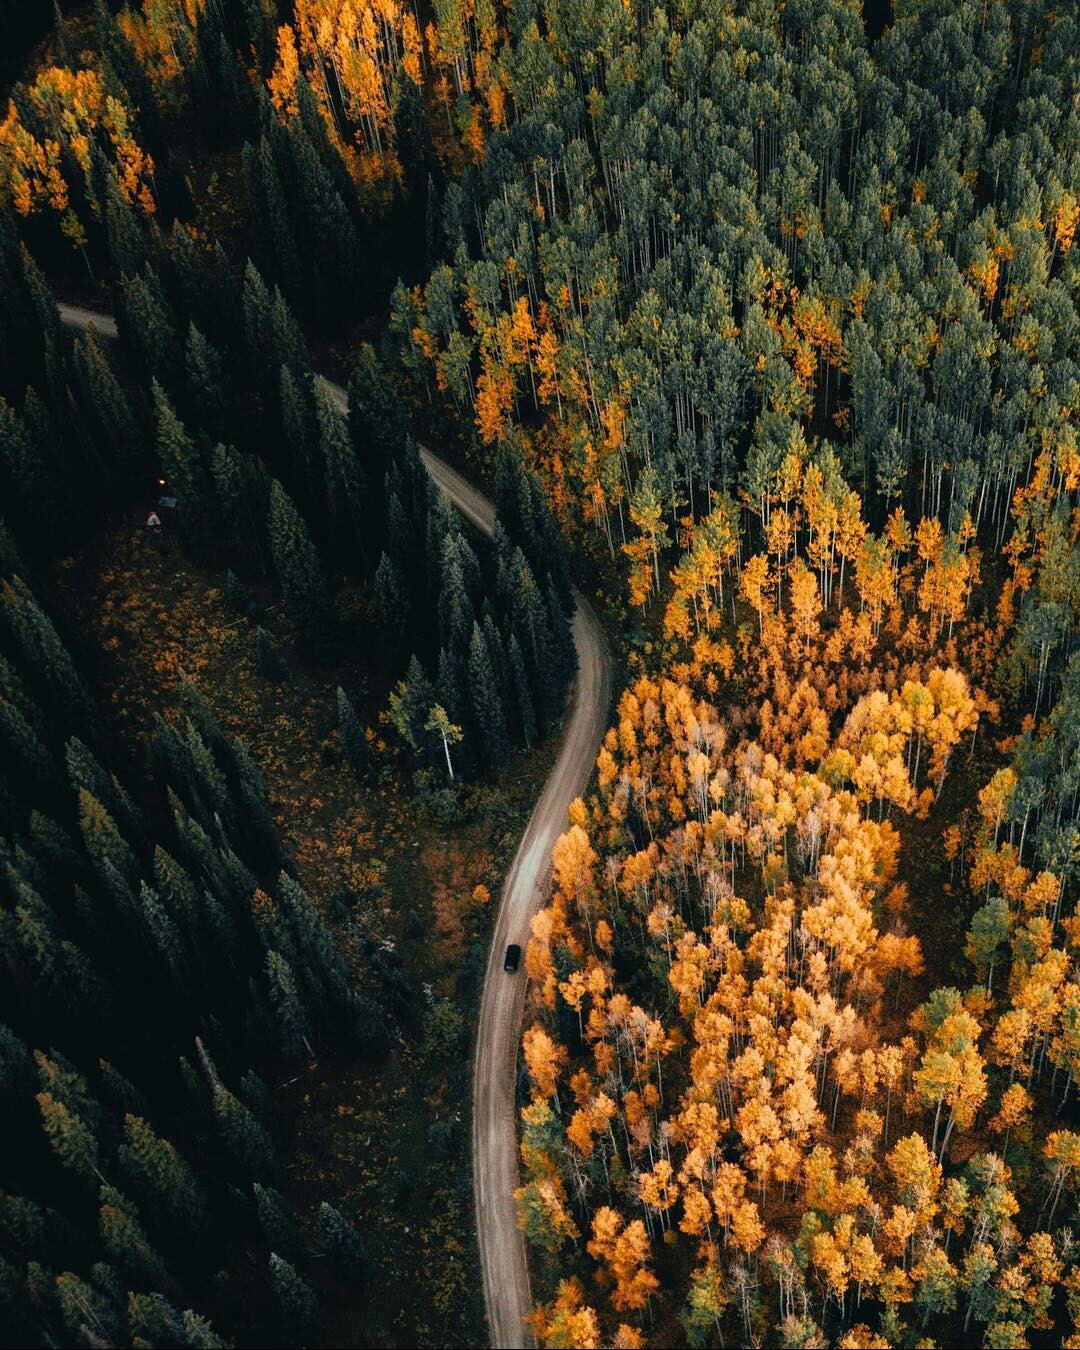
410 704
184 470
13 692
262 837
164 934
85 1309
294 1024
16 1067
271 666
274 238
241 495
526 713
203 284
176 889
255 1095
344 486
287 341
124 1236
41 655
11 563
147 325
118 438
70 1137
342 1243
278 1224
121 1093
24 752
457 617
84 771
243 1136
104 842
258 329
52 846
451 683
294 1295
303 584
489 713
45 326
37 479
391 603
300 436
237 595
205 376
377 432
124 234
152 1320
157 1169
354 744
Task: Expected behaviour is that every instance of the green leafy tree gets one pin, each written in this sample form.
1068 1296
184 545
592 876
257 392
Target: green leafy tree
448 733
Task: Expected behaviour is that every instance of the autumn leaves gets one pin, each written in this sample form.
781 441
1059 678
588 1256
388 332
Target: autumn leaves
716 1060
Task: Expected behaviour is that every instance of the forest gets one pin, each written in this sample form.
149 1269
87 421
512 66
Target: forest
372 375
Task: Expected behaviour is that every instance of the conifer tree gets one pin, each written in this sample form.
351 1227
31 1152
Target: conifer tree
294 1024
86 1309
11 564
147 325
104 842
341 1242
377 432
123 232
294 1295
278 1224
523 701
243 1136
300 436
303 583
392 609
184 470
160 1173
164 934
344 487
410 703
41 654
205 376
118 439
489 712
271 666
241 495
70 1137
124 1236
37 480
84 771
354 744
24 751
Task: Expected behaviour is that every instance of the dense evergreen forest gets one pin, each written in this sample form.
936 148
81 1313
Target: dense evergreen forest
759 321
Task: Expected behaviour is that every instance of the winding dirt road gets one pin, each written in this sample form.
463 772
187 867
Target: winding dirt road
495 1158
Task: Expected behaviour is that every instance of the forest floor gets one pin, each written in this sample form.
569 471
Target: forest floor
388 1144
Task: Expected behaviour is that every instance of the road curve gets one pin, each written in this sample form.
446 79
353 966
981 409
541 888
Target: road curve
494 1143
